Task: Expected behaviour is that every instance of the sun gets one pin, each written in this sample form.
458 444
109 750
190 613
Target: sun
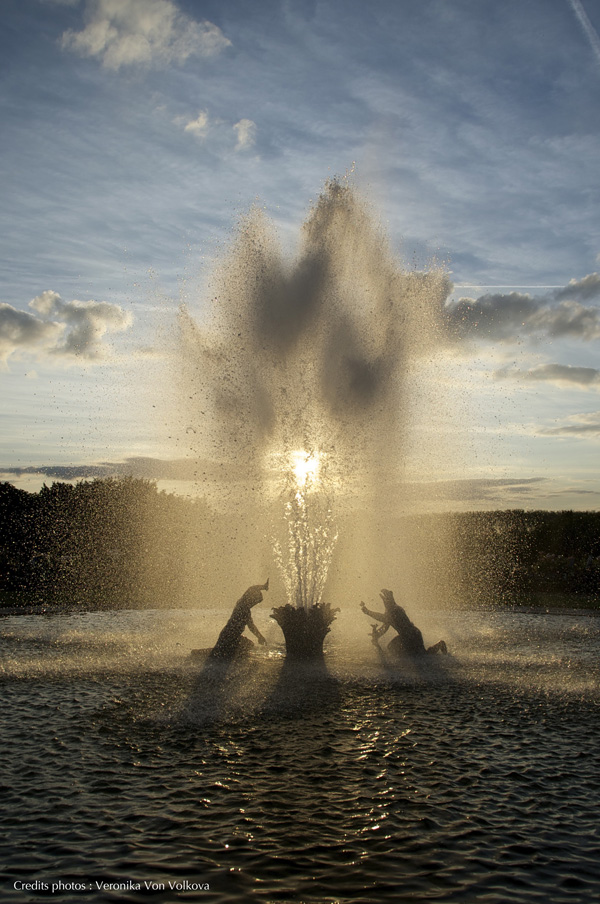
305 467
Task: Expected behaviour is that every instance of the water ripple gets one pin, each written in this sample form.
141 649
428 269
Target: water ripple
343 787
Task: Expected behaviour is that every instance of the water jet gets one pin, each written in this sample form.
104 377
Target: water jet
298 379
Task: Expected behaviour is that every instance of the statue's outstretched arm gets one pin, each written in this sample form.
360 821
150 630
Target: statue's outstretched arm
380 616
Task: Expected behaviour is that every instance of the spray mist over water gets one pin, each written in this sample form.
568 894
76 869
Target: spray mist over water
297 381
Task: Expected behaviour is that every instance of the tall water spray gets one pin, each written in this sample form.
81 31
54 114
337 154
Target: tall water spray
296 383
309 537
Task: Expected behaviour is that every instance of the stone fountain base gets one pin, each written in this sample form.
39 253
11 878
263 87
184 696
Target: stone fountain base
304 629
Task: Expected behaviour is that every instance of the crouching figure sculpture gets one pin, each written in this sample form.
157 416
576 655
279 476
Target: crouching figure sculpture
409 640
231 641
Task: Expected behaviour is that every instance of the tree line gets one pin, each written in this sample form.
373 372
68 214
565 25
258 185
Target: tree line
106 543
120 542
515 554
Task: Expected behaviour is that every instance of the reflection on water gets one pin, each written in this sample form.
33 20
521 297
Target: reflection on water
471 778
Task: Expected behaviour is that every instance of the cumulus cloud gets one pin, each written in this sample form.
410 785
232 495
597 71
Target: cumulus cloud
73 329
22 331
584 289
142 32
557 374
582 425
504 317
246 134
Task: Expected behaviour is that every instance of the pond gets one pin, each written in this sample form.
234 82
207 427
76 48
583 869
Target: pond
131 773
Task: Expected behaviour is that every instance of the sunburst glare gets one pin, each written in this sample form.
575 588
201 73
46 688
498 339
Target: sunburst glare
306 468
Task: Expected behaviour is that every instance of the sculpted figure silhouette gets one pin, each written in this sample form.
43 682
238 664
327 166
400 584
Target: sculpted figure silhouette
231 640
409 640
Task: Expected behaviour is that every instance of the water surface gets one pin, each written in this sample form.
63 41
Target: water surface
472 778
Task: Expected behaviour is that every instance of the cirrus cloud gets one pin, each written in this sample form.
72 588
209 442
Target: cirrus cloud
142 32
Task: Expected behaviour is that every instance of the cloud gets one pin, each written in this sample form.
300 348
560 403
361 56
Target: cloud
245 130
246 134
144 467
472 490
22 331
558 374
504 317
567 319
199 126
581 290
491 316
73 329
147 468
142 32
589 30
466 491
579 425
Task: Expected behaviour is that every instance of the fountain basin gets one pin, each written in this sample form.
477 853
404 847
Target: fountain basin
304 629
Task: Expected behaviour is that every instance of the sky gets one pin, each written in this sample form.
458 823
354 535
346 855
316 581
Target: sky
136 133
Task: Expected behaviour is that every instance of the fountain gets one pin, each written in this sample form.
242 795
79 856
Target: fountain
296 380
450 779
304 562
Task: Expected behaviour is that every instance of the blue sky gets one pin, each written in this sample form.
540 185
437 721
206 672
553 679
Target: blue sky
136 132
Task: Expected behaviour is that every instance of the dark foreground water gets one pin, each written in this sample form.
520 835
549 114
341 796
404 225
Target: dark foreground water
472 778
